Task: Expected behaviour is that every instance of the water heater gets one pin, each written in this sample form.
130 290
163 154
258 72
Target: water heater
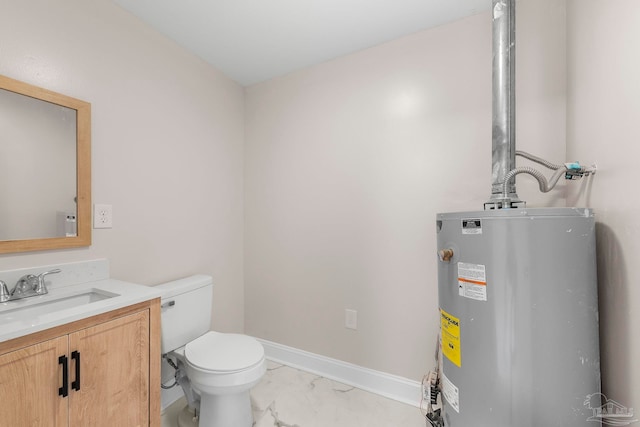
519 317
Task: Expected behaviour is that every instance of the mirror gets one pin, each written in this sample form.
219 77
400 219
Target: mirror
45 169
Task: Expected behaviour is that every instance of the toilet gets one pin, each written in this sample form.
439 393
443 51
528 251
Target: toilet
216 370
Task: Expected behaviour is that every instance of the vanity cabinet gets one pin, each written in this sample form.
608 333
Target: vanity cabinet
99 372
29 382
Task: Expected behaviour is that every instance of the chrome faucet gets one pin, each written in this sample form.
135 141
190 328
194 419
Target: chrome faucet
4 292
30 285
41 287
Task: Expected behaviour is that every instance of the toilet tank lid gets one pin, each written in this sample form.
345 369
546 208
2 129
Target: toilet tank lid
176 287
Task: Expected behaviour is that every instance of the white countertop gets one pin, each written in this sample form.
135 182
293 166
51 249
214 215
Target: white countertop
124 294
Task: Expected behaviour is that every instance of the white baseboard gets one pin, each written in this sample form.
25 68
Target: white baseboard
387 385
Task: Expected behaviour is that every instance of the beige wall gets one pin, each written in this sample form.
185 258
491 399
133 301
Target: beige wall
602 126
347 163
167 143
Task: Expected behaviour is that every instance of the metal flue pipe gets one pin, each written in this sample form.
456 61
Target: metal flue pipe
504 104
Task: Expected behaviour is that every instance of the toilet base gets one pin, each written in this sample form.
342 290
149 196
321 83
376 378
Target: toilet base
226 410
232 410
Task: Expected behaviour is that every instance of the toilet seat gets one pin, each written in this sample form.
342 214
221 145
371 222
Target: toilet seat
217 352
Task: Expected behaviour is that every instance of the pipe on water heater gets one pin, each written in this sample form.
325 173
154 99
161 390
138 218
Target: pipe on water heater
503 105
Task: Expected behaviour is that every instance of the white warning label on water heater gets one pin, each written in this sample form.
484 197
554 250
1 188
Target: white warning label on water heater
471 226
450 393
472 281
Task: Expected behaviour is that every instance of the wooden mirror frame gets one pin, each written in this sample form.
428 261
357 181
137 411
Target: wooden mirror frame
83 171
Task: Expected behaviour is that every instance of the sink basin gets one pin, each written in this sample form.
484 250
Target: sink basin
31 308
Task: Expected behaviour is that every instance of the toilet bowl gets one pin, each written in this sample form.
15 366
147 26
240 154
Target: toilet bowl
216 370
222 369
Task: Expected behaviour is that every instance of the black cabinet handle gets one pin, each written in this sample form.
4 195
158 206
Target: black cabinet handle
76 384
64 390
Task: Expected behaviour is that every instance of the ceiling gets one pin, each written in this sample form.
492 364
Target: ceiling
256 40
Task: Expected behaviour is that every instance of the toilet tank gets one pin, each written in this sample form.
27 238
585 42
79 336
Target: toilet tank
186 310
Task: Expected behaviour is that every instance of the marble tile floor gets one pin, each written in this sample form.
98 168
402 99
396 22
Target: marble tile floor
288 397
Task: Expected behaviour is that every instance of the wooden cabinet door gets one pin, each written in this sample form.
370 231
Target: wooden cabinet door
114 373
30 379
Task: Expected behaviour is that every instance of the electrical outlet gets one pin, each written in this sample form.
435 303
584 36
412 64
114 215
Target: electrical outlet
351 319
102 216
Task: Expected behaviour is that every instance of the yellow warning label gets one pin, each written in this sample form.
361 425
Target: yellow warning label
450 330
